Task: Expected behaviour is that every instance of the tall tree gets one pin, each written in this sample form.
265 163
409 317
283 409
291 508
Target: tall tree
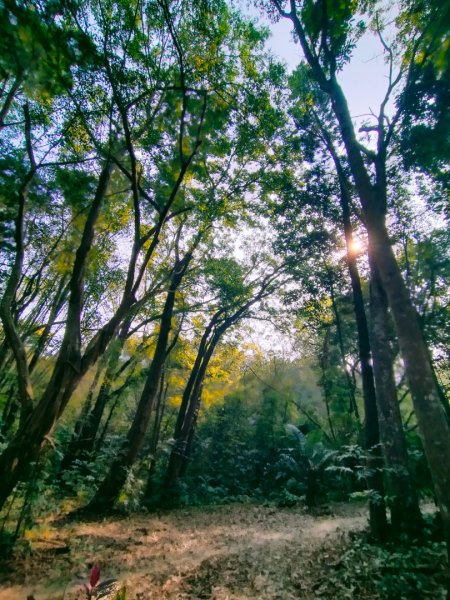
326 33
383 418
236 299
110 488
150 89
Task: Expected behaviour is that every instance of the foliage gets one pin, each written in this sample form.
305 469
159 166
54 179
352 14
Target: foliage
425 129
141 141
387 572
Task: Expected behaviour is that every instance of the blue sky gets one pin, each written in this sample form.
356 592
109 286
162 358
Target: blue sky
364 79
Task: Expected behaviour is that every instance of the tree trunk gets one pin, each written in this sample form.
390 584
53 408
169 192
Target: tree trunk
100 440
377 507
73 451
9 412
110 488
159 413
12 337
433 425
25 446
405 511
4 354
190 405
431 417
353 407
9 100
325 382
187 416
56 307
86 429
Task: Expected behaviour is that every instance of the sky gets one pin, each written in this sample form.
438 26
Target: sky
364 79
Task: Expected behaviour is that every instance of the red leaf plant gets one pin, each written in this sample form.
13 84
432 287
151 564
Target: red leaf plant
94 578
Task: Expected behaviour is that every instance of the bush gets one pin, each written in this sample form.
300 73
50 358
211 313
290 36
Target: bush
389 572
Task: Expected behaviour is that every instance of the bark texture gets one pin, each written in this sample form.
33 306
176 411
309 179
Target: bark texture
405 511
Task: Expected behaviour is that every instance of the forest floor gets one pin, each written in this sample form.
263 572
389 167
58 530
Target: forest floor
235 552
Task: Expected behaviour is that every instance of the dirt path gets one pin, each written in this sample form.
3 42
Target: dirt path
220 553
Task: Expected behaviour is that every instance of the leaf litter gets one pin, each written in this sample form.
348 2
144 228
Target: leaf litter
234 552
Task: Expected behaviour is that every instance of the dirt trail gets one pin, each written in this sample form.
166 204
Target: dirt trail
236 552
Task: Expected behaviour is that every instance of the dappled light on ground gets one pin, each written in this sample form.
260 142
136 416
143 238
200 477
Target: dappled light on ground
234 552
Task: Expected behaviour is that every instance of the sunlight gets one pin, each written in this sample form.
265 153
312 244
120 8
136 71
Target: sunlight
356 247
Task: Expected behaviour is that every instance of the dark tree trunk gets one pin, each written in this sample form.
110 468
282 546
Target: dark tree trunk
159 413
190 437
353 407
111 486
187 416
100 440
56 307
10 413
377 507
73 451
431 418
4 354
433 425
326 383
405 511
87 426
92 423
11 333
190 404
24 448
9 98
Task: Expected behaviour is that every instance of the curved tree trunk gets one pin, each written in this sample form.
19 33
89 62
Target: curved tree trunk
9 412
377 507
189 408
55 308
73 450
88 424
431 418
353 407
433 425
156 432
26 444
12 336
187 416
325 382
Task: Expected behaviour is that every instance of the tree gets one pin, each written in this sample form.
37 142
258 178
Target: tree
383 419
149 96
110 488
425 126
317 212
326 33
236 298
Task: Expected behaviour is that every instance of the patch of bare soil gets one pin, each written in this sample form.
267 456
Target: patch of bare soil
237 552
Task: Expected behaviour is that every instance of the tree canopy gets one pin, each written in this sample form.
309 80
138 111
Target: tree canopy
217 282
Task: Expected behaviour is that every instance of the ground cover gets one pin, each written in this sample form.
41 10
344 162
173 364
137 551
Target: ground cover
235 552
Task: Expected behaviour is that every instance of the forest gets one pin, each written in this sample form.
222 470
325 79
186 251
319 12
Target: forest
224 301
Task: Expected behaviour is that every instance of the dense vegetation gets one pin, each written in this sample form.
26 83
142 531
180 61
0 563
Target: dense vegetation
218 284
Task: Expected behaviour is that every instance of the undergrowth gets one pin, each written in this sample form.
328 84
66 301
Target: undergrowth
394 571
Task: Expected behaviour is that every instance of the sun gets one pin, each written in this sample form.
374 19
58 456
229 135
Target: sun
356 247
